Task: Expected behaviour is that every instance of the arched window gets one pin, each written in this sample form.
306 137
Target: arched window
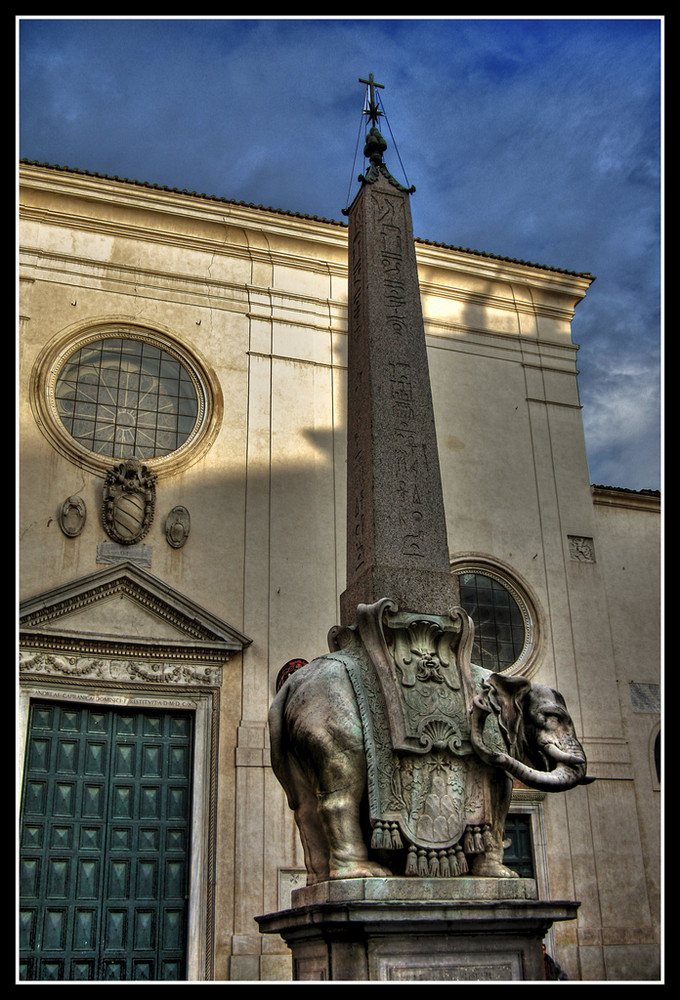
505 617
119 391
127 398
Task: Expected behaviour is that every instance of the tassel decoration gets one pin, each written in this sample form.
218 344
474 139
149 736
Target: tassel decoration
395 838
445 862
461 860
487 838
411 861
386 836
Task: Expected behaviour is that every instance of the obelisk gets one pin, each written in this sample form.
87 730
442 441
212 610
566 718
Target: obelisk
372 741
396 527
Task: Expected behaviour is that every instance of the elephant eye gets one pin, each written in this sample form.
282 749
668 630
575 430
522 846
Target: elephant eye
555 717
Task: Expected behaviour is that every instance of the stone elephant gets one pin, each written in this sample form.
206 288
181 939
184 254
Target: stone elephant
367 805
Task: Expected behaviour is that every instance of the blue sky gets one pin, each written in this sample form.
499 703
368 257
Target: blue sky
538 139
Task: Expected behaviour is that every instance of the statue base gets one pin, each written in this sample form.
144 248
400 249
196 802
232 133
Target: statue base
418 929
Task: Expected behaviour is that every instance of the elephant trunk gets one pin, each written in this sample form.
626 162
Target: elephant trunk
569 772
560 779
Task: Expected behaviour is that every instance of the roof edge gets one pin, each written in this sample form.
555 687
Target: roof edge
295 215
621 496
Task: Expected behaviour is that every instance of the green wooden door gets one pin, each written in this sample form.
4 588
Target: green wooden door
104 854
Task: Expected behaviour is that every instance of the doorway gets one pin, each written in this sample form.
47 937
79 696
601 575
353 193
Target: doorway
104 843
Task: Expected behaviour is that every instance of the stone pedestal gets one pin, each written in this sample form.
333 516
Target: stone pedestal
403 929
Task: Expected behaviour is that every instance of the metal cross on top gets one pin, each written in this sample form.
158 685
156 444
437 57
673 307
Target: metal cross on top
372 112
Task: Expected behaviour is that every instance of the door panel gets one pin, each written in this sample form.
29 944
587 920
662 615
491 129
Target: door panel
104 844
519 854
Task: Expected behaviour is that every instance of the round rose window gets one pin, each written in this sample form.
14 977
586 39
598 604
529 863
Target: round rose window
126 398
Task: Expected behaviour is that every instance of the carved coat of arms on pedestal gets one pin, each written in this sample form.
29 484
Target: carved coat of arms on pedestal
129 501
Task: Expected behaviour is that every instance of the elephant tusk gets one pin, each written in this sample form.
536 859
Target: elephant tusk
550 750
560 780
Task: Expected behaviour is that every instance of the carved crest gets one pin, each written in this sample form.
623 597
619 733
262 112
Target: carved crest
423 665
414 685
129 501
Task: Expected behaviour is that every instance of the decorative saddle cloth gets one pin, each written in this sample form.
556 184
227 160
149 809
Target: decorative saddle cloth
428 791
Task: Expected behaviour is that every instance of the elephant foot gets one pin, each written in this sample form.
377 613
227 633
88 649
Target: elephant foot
486 867
359 869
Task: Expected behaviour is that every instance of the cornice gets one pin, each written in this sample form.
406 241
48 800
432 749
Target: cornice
288 224
616 496
186 240
166 201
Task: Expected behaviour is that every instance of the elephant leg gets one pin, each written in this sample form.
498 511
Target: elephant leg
313 838
323 755
302 799
340 794
327 811
490 864
340 814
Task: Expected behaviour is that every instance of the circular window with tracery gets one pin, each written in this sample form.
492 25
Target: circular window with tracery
121 392
504 616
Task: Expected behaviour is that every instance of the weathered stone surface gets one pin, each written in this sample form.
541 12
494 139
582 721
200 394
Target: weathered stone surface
414 889
470 930
396 528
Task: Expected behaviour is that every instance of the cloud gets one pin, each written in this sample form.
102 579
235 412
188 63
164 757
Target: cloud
621 421
534 138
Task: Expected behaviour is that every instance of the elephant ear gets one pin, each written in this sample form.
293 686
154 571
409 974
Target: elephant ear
504 695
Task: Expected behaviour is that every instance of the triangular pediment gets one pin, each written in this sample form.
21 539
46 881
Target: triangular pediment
125 605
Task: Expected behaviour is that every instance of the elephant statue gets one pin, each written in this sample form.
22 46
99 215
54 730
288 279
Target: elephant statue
397 754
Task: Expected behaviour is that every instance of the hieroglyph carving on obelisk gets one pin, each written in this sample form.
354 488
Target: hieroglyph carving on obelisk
396 527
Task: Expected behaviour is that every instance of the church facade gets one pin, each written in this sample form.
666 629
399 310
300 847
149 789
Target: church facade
182 500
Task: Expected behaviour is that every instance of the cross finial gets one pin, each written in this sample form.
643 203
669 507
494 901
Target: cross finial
372 111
